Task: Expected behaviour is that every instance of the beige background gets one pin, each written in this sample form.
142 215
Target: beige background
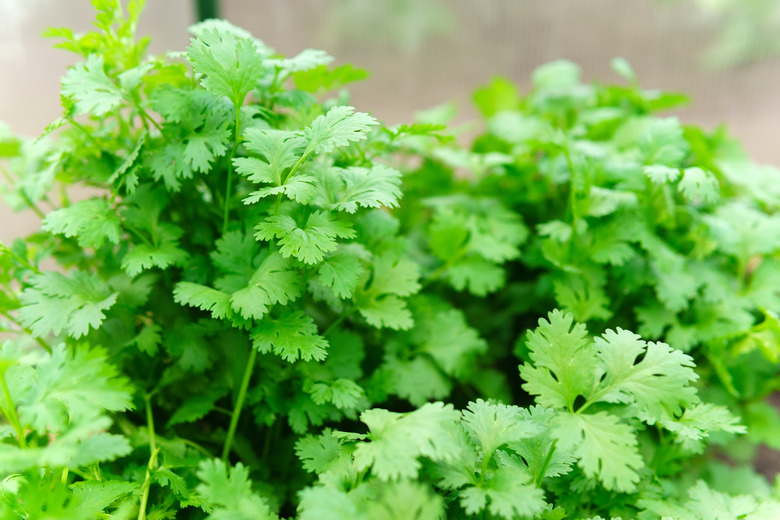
424 52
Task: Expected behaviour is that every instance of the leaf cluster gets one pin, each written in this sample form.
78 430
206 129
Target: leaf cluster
259 310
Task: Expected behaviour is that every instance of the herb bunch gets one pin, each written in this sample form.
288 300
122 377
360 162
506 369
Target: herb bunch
241 317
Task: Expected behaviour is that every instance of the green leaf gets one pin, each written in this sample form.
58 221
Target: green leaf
380 303
339 127
659 383
204 298
368 188
343 393
322 78
308 243
563 364
74 304
145 256
228 493
508 494
698 185
291 336
89 87
398 440
230 63
92 221
273 282
280 151
605 448
492 426
73 387
341 272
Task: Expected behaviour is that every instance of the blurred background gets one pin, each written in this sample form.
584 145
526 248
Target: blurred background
725 54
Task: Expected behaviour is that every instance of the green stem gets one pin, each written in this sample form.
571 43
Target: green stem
27 200
445 266
40 342
336 323
19 259
545 465
146 117
137 233
572 196
11 414
154 450
229 187
86 133
239 403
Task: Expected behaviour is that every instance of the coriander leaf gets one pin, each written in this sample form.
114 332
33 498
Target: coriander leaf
340 126
417 380
392 278
605 448
291 336
368 188
273 282
307 59
327 503
322 78
508 494
197 406
317 453
491 426
398 440
662 142
280 151
230 63
540 451
308 243
698 185
55 303
659 384
92 91
584 299
235 253
204 298
698 422
343 393
661 174
449 340
405 500
563 365
92 221
477 275
341 272
145 256
71 387
228 493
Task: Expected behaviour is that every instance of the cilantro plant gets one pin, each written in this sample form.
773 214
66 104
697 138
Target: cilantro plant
237 315
578 197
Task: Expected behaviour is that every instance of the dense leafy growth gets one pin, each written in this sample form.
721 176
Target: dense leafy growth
242 317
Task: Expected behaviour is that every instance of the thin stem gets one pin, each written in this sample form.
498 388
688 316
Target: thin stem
135 232
545 464
336 323
239 403
444 267
38 340
86 132
572 194
154 450
11 414
229 187
145 116
19 259
27 200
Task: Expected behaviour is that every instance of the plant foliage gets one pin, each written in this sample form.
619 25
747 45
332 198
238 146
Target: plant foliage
258 311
